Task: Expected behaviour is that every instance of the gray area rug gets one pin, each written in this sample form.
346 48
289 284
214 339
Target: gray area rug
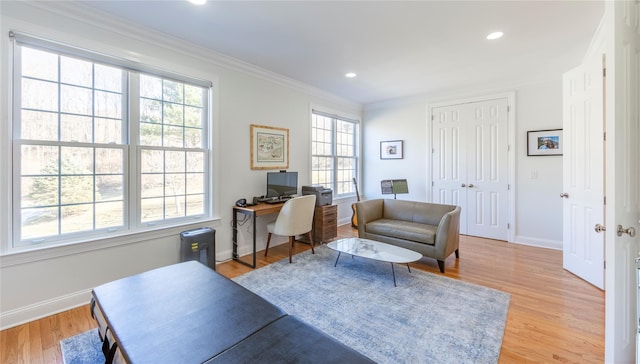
84 348
427 318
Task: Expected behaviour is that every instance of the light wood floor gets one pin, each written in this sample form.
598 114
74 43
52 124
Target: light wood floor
553 315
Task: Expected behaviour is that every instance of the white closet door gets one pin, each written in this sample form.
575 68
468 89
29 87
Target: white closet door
487 177
449 159
470 156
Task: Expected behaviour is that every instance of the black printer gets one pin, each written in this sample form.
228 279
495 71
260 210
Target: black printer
324 196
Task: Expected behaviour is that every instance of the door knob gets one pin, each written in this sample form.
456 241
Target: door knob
564 195
470 185
631 231
600 228
463 185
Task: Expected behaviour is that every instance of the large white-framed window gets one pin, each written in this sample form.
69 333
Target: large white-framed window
102 145
334 152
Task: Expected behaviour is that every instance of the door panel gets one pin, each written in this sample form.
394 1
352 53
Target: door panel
449 170
583 163
622 178
489 177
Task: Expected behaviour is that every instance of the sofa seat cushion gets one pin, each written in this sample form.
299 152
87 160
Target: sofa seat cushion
407 230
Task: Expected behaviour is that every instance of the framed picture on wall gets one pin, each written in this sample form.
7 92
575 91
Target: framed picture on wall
269 147
391 149
544 142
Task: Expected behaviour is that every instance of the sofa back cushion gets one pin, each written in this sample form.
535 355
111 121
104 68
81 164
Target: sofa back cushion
418 212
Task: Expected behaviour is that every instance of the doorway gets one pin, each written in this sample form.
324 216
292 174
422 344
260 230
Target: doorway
471 164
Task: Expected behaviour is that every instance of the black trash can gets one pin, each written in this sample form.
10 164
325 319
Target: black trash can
199 244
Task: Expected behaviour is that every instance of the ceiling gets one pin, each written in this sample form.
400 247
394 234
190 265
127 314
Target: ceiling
398 49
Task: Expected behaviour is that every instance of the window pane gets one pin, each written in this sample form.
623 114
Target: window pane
173 114
152 185
76 218
108 78
150 87
39 222
76 100
39 95
152 161
150 111
108 131
195 183
193 95
195 205
151 134
109 214
38 125
110 188
39 64
109 161
108 104
39 160
76 72
74 128
152 209
173 91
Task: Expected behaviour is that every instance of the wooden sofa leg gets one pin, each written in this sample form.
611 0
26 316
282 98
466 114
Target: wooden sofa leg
457 253
441 265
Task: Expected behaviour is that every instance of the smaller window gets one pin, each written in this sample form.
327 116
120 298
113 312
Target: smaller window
334 152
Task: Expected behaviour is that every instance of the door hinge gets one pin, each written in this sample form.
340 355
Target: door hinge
604 72
433 183
508 108
508 187
508 226
604 136
605 200
604 263
508 147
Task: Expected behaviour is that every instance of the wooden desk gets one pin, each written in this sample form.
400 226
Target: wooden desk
253 212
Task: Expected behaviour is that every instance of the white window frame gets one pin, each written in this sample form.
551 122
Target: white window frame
131 149
334 153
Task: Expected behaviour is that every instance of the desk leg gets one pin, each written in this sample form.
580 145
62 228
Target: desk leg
254 240
235 255
235 235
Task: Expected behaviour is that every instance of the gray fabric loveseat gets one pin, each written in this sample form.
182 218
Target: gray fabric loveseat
427 228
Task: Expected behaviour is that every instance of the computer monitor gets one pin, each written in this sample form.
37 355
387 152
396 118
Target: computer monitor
282 184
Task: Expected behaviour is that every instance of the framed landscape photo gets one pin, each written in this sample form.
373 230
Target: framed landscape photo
544 142
391 149
269 147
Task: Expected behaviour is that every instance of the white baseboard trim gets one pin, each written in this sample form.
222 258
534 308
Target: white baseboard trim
42 309
541 243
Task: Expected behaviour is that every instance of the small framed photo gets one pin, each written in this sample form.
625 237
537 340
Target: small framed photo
391 149
269 147
544 142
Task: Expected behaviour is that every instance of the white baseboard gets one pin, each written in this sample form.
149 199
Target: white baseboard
42 309
541 243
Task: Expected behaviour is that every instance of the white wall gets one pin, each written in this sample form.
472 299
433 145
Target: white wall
36 284
538 207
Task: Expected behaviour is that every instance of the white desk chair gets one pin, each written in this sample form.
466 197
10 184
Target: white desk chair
295 218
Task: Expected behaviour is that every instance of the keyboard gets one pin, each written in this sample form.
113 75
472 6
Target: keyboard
280 200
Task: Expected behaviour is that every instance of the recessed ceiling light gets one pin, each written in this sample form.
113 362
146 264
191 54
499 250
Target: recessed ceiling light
495 35
350 75
198 2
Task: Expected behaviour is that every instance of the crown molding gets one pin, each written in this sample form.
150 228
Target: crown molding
102 20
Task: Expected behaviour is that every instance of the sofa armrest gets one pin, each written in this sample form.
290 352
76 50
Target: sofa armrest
448 234
366 211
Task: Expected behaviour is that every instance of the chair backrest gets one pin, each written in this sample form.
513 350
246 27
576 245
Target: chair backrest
296 216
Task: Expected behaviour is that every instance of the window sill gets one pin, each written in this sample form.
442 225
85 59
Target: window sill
33 254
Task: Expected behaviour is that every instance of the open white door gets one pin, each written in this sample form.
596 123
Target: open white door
583 165
622 178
